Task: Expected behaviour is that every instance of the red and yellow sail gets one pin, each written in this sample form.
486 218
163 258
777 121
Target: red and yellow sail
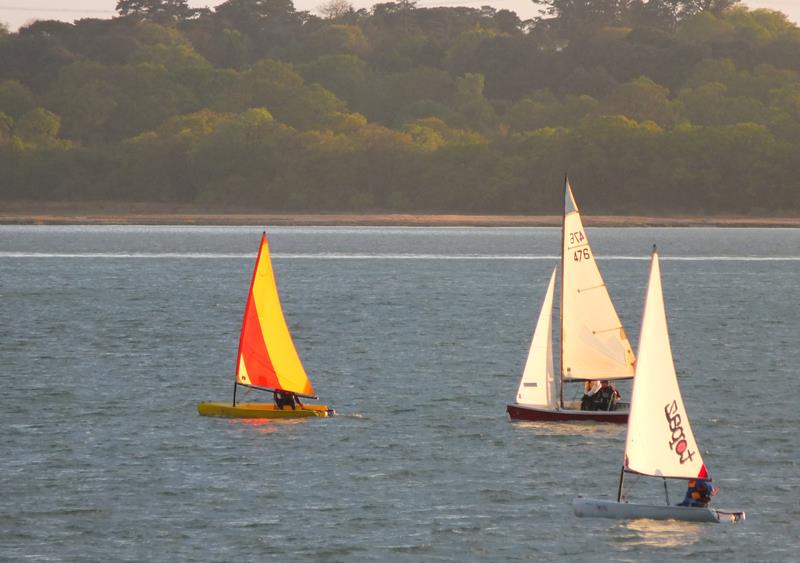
267 356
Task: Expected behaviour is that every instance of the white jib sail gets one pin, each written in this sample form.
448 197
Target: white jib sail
660 441
593 342
537 385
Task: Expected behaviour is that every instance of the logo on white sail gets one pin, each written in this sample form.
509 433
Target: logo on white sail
678 442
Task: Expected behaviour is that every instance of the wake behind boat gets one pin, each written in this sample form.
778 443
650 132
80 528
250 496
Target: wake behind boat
660 441
267 358
593 342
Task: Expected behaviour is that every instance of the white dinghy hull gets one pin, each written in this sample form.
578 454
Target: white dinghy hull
593 508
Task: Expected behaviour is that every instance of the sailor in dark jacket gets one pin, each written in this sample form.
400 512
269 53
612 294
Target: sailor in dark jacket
286 398
606 397
699 493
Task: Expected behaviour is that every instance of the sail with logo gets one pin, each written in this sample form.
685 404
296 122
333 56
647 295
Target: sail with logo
657 405
660 441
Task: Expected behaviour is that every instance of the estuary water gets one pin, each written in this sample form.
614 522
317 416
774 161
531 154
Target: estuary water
110 336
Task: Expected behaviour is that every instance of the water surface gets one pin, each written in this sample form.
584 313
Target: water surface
109 337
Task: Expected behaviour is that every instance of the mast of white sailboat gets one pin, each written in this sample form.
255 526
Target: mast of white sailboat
561 306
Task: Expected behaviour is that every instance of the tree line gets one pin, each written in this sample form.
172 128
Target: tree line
651 106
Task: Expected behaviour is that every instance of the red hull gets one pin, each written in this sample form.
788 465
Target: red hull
520 412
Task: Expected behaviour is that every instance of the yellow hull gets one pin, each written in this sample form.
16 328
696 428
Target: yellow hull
260 410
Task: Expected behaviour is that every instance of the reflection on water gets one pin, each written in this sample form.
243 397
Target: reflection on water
572 428
662 533
267 425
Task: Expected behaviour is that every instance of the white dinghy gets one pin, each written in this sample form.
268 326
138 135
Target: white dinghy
660 442
592 508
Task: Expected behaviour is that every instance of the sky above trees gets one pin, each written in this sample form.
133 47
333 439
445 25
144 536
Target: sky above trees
16 13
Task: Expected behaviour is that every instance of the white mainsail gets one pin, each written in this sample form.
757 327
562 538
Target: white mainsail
660 441
537 384
593 342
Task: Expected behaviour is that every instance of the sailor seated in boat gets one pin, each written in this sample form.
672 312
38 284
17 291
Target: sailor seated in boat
288 399
605 398
591 387
699 493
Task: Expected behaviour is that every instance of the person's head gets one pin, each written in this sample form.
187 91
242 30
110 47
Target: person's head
604 383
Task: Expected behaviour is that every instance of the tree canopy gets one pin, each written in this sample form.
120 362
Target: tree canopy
652 106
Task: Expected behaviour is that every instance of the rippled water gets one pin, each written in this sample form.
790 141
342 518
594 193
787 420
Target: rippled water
109 336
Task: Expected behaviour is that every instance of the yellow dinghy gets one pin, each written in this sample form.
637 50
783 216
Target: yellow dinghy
261 410
267 359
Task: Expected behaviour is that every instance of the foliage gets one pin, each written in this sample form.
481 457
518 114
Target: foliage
652 106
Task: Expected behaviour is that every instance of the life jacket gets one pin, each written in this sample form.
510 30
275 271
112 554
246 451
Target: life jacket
699 491
603 399
605 393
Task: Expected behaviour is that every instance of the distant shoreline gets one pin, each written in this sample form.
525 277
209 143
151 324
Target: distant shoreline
163 214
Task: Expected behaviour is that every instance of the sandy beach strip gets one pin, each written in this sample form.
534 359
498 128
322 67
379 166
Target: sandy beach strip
155 214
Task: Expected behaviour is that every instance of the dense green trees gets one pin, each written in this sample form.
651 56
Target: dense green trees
652 106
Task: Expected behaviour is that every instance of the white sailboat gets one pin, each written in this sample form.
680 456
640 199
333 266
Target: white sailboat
593 343
660 441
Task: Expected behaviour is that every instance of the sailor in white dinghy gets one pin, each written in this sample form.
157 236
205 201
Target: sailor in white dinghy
699 493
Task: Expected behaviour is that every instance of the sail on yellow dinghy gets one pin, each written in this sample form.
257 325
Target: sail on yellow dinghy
267 359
